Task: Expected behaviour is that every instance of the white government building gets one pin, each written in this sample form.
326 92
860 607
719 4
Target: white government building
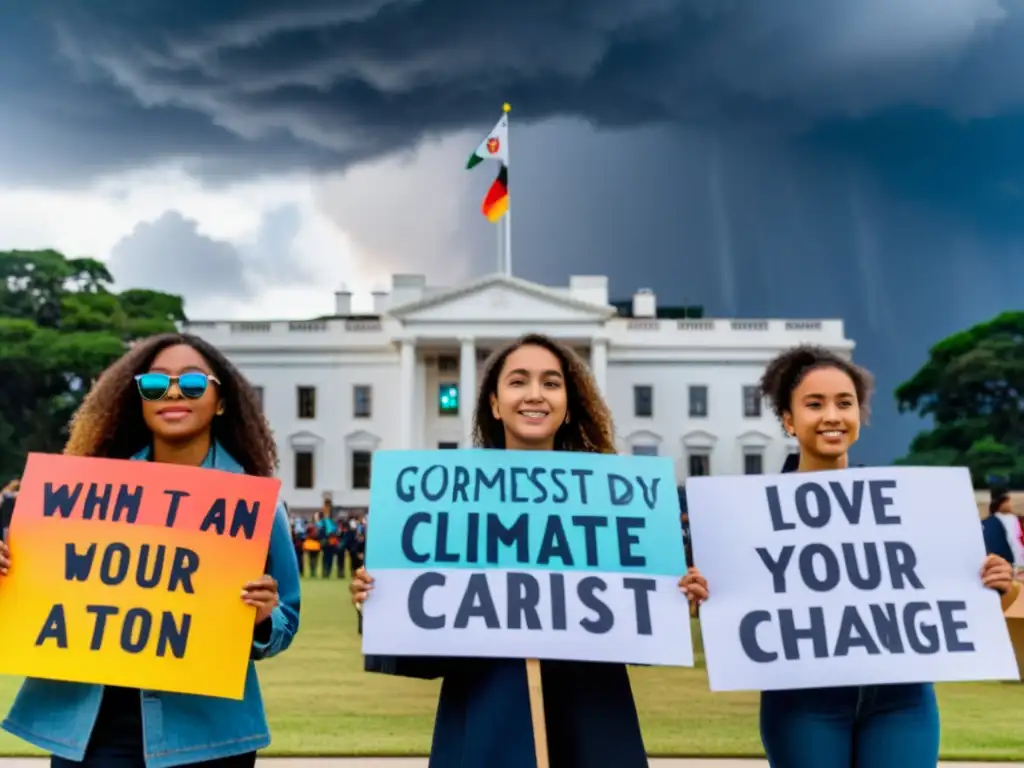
337 388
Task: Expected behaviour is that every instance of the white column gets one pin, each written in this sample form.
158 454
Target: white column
407 393
467 388
599 363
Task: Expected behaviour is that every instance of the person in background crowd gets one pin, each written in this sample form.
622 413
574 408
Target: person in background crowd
172 398
7 499
358 553
1002 530
330 537
536 395
298 538
822 400
312 545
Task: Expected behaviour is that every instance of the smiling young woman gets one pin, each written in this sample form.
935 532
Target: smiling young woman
823 399
175 399
535 395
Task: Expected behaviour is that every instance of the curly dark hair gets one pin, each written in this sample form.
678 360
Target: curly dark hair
785 372
109 422
589 428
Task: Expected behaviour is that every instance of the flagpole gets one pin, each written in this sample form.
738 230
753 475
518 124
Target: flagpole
506 107
501 258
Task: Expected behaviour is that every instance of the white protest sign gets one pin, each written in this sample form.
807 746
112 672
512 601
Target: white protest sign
853 577
526 554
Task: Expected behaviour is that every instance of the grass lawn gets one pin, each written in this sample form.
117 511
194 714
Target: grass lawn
320 702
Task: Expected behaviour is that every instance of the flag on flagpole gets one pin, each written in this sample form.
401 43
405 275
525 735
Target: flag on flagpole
495 203
495 147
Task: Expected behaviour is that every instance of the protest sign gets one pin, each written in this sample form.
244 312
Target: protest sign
130 573
852 577
526 554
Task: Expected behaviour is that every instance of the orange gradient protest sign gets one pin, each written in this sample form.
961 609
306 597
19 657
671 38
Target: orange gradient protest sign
130 573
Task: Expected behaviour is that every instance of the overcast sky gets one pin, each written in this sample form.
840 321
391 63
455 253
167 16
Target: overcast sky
859 159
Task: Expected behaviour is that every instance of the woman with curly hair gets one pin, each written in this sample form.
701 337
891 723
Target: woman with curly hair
535 395
172 398
822 400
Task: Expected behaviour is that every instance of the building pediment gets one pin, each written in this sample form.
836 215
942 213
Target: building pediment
755 438
361 440
500 298
304 439
643 437
698 438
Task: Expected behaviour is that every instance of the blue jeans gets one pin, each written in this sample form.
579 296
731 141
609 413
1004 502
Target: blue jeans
881 726
121 757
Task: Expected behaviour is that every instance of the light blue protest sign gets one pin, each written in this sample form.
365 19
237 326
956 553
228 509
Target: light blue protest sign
526 554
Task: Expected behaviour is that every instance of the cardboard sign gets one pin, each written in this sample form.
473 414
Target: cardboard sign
526 554
852 577
130 573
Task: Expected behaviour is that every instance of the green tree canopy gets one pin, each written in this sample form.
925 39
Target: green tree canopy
61 324
972 388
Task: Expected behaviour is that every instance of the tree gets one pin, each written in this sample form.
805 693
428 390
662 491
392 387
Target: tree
972 387
61 324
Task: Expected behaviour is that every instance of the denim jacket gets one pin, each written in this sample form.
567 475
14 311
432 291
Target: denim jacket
177 728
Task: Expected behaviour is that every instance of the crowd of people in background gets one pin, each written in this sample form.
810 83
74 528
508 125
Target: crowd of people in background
332 538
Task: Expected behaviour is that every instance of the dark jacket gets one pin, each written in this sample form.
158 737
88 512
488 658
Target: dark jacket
996 542
6 512
483 715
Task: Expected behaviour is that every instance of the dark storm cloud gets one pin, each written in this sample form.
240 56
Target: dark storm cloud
171 254
804 158
322 84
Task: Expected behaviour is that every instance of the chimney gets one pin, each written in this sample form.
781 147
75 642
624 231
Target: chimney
380 302
644 303
342 302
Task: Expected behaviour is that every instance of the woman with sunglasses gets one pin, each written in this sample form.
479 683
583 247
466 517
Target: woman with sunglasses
172 398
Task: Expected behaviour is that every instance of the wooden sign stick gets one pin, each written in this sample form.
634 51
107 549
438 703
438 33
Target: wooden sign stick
540 728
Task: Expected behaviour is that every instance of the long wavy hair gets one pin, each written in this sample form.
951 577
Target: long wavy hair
589 428
109 423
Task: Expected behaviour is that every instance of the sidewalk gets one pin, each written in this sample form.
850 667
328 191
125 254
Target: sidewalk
394 762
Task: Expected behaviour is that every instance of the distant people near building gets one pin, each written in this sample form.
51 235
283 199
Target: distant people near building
312 545
357 541
298 539
1002 529
330 538
7 499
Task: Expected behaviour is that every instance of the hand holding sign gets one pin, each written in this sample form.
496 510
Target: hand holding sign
695 587
5 559
997 574
360 587
261 595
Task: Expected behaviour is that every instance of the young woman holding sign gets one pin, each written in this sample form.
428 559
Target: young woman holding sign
172 398
822 399
535 395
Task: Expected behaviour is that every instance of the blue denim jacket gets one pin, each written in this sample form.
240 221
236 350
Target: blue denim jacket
177 728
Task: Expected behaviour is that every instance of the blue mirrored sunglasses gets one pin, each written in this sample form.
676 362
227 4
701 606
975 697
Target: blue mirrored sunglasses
192 385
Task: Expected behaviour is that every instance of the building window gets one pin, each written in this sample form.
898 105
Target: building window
258 391
645 450
448 399
700 464
752 402
362 401
304 469
753 464
361 461
307 402
698 401
447 446
643 400
447 364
